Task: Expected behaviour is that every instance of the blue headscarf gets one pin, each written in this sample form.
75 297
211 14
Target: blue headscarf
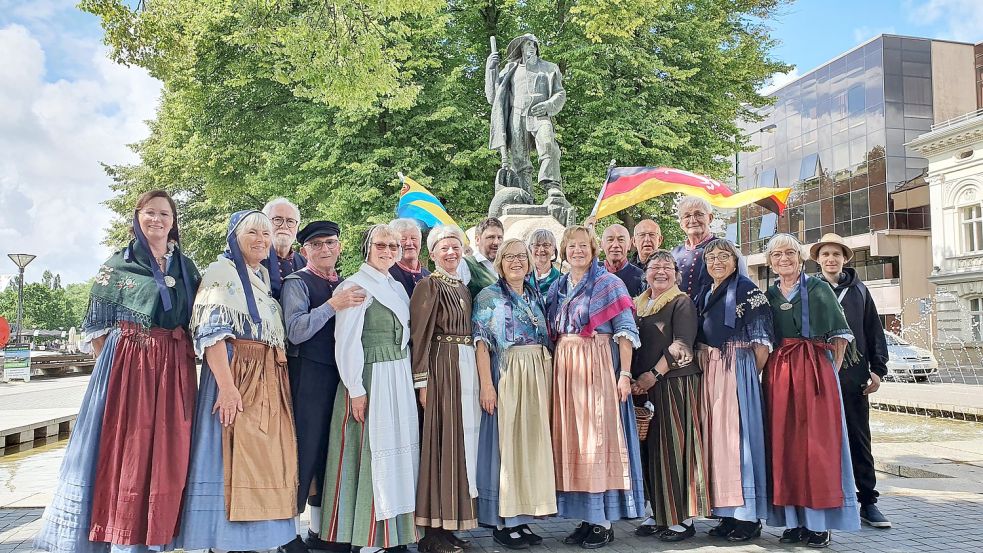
165 296
234 252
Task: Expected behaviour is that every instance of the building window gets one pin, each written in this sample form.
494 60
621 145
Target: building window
976 318
972 228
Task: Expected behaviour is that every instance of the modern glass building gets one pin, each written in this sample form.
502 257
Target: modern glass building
837 136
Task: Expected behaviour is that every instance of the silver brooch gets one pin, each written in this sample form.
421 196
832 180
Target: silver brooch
169 281
786 306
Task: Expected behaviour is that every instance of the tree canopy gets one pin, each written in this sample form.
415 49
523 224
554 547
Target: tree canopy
323 102
47 305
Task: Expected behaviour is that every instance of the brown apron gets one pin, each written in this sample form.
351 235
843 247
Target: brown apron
259 451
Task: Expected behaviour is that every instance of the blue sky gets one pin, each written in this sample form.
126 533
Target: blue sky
65 108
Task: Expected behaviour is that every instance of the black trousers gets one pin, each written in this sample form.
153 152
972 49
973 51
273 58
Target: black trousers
856 409
313 387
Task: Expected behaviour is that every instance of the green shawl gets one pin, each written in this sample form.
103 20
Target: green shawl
826 318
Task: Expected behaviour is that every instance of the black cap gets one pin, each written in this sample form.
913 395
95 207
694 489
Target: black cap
318 228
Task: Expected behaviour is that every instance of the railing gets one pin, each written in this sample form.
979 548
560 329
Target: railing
957 120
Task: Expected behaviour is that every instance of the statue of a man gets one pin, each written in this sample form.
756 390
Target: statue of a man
525 96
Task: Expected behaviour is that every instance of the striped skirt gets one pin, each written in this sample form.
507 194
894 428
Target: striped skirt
677 462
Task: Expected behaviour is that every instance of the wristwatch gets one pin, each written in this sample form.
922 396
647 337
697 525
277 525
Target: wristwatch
658 376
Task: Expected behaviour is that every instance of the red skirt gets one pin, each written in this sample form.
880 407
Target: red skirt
145 444
804 422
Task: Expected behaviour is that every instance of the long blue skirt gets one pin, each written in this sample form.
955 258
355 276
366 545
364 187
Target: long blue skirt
846 517
754 465
65 523
203 521
596 508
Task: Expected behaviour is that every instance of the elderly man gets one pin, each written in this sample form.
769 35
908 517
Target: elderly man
695 216
478 270
861 377
309 307
616 243
647 239
285 217
408 270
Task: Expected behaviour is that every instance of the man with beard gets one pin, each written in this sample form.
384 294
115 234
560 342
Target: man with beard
616 242
478 270
309 307
647 239
285 216
861 376
408 270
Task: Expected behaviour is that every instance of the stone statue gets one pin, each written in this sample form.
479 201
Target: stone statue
525 96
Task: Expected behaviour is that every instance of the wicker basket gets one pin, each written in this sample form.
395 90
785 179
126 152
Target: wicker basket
642 419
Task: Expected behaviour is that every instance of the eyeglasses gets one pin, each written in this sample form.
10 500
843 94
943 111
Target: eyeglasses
791 254
512 257
284 221
721 257
321 244
661 269
693 215
542 246
383 246
649 235
154 214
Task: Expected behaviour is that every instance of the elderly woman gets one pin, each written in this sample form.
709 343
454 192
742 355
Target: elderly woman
735 338
515 461
664 370
812 476
242 491
444 371
695 216
408 269
595 442
111 491
370 480
544 272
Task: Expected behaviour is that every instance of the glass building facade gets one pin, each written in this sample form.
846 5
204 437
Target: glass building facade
836 136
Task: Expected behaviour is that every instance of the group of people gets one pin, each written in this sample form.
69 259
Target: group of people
525 380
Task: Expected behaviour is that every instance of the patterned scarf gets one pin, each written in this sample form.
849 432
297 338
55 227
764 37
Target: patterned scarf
595 300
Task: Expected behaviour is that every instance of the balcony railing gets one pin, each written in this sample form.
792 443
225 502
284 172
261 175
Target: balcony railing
957 120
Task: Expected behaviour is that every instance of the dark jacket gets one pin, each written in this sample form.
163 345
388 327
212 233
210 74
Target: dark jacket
865 323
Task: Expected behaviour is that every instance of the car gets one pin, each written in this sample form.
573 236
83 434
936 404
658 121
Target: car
908 362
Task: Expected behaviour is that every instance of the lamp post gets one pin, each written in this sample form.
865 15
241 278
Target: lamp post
21 260
737 170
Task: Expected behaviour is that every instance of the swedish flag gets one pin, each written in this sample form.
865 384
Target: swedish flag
416 202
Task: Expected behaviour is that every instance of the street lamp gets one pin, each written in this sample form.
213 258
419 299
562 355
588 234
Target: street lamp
21 260
737 170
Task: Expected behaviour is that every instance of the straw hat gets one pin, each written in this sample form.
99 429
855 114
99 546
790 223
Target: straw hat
827 239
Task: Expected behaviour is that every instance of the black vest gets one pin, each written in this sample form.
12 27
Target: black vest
320 347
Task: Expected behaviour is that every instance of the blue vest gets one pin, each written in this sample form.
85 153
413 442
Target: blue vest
320 347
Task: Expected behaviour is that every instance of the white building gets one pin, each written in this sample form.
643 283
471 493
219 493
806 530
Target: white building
954 149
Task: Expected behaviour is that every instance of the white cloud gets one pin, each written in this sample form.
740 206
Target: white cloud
960 20
778 80
863 34
54 133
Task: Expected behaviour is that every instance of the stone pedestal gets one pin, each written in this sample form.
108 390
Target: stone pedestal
520 221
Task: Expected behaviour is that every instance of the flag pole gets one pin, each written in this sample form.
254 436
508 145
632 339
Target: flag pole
402 177
604 187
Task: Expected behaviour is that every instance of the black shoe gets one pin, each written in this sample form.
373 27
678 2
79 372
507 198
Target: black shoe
314 541
819 539
578 535
724 528
456 541
872 516
673 536
598 536
396 549
794 535
295 545
509 537
646 530
745 531
531 537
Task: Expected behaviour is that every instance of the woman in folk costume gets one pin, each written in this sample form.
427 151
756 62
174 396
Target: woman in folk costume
374 451
444 371
665 371
736 335
595 440
113 494
515 460
813 491
242 489
544 270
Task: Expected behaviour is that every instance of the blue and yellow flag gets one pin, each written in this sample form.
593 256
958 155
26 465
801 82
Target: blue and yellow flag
416 202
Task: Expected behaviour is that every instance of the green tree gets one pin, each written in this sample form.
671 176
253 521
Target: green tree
324 104
44 308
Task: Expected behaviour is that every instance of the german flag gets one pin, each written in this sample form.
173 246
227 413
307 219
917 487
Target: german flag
628 186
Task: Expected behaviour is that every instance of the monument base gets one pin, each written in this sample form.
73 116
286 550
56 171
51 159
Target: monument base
520 221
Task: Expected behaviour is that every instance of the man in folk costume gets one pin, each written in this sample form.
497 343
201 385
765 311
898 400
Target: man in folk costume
310 304
478 270
860 378
616 243
647 238
409 270
695 216
285 216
